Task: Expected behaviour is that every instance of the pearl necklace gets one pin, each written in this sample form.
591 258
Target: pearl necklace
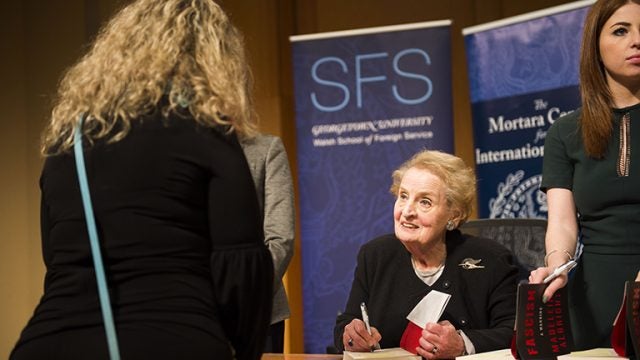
426 273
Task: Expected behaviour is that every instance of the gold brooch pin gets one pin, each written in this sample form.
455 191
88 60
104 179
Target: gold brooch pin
470 263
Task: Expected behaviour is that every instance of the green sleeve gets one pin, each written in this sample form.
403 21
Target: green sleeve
557 166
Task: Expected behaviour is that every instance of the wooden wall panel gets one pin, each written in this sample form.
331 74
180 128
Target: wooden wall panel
14 188
42 39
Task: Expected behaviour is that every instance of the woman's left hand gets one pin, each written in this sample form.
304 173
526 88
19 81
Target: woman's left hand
440 341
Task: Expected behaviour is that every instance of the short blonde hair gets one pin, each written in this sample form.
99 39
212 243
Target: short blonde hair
458 178
186 51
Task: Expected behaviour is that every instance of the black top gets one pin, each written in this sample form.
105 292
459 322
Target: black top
181 236
608 202
482 303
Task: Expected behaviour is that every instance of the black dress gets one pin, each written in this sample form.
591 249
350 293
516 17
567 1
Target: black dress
188 272
607 198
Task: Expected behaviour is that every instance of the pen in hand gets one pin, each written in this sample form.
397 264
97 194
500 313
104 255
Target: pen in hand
365 318
559 270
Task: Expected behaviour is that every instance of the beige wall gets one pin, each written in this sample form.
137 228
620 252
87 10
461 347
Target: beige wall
39 39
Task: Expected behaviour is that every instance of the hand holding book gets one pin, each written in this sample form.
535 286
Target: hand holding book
556 278
543 330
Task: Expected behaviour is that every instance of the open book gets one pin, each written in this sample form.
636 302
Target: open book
593 354
383 354
505 354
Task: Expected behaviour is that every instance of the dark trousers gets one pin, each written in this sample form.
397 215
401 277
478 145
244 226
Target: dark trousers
275 338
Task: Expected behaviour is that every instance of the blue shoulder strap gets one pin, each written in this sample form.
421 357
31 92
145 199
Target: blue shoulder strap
105 304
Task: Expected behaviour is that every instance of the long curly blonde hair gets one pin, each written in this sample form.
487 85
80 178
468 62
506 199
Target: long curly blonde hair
185 50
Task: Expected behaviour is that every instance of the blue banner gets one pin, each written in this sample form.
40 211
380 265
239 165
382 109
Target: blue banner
366 100
523 75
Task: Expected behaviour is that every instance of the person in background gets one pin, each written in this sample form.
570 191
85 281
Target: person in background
434 195
272 178
591 175
165 93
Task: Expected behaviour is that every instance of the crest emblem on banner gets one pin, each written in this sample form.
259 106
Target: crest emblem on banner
518 197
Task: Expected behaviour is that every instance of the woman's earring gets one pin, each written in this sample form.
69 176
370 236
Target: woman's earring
450 225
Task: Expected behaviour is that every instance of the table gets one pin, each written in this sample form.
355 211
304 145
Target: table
271 356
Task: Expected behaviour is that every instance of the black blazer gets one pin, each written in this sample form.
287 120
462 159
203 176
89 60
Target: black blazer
482 304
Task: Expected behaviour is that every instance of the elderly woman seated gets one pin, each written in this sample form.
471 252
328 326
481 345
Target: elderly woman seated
434 195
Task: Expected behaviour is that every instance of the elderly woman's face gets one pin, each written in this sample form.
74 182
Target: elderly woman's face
421 212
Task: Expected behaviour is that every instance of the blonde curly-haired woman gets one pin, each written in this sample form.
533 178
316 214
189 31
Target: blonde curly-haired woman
164 94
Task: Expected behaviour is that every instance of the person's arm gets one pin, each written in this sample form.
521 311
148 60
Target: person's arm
279 208
560 240
557 180
44 230
241 265
441 341
242 283
349 326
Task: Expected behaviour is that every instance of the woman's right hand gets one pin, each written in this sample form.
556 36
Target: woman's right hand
355 336
539 274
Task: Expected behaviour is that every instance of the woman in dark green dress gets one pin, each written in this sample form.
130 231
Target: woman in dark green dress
591 175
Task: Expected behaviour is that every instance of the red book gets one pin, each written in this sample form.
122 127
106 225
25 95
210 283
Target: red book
625 336
543 330
411 337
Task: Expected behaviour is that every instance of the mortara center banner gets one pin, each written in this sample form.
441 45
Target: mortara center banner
523 75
